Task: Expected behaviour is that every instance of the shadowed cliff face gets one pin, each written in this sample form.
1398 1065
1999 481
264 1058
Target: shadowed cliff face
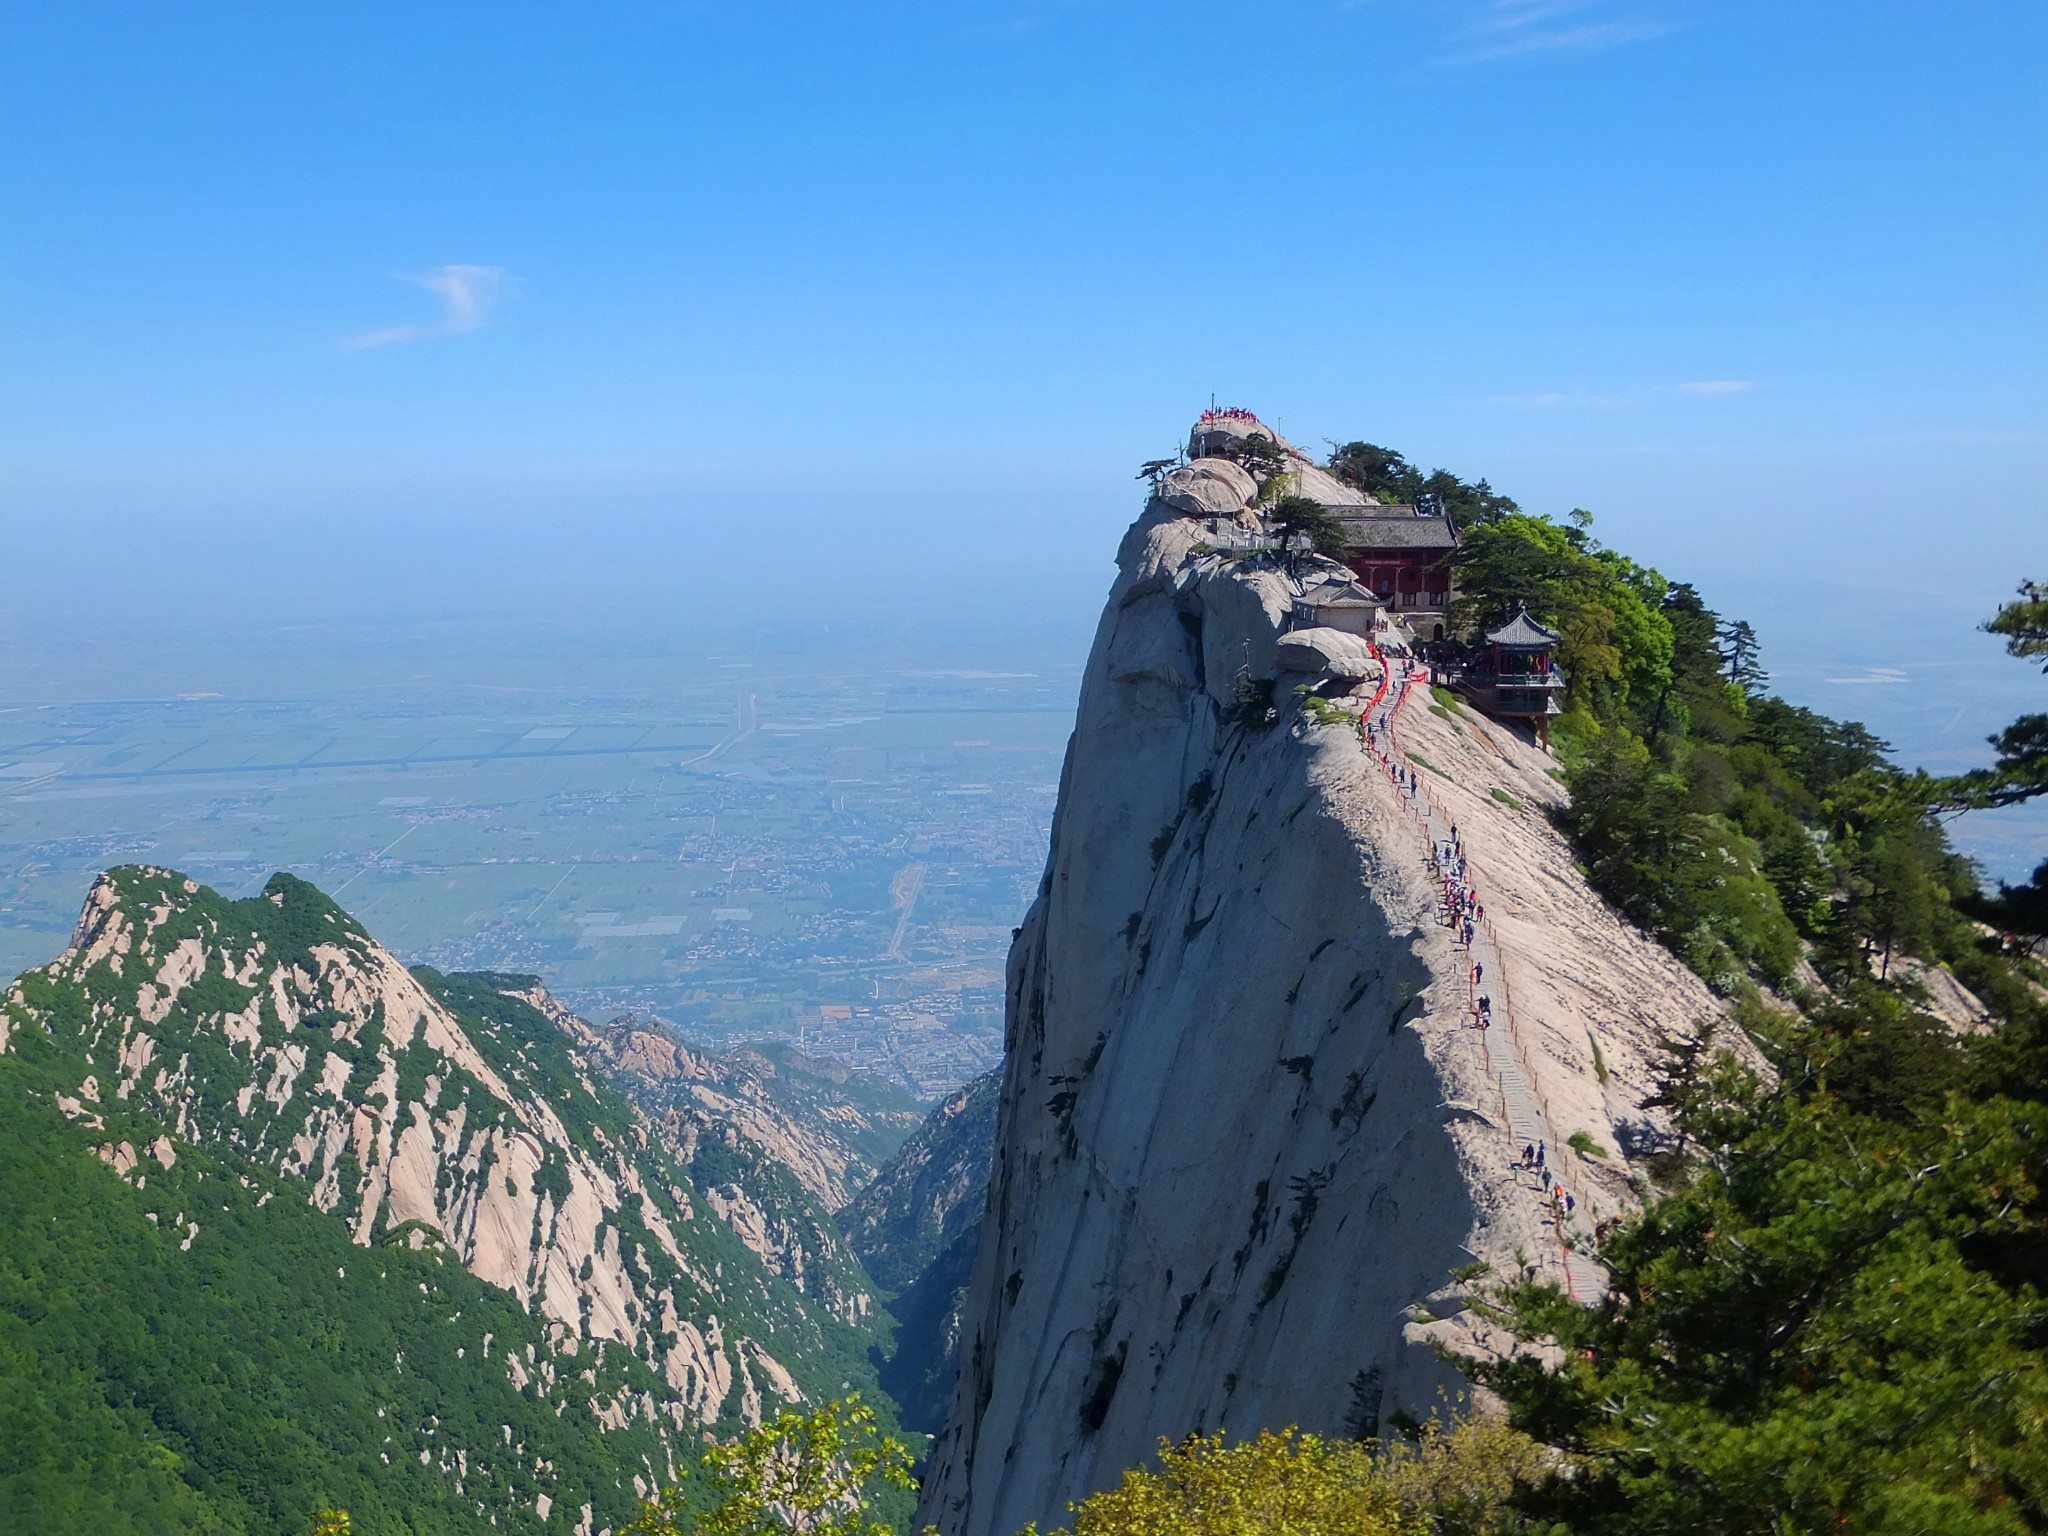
917 1228
1246 1132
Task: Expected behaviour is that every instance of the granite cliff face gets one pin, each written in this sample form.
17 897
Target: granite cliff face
775 1146
1247 1127
833 1129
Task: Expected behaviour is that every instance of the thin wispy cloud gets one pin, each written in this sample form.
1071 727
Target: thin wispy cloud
467 293
1608 399
1569 399
1506 29
1966 437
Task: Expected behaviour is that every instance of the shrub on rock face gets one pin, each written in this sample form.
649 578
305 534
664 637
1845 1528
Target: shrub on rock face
1303 517
1257 453
1453 1481
1251 704
818 1473
1284 1484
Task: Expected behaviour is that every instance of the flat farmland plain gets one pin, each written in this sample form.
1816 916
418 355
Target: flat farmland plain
747 850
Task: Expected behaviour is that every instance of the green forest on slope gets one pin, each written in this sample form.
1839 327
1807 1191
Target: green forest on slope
270 1369
1747 833
238 1377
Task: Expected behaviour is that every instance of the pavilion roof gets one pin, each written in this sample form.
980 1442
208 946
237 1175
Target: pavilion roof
1523 633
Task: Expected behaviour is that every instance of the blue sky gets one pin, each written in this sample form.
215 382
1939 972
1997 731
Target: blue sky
876 240
1760 284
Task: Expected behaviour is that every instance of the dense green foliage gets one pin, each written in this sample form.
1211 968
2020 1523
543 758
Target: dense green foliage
271 1368
1740 829
1449 1479
1385 476
1258 454
829 1472
2019 910
1832 1317
2021 772
1303 517
2024 623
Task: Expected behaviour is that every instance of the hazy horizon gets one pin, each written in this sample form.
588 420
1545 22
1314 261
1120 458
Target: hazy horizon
347 349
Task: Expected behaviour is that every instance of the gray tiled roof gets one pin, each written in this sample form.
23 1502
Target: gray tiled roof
1522 630
1340 594
1394 528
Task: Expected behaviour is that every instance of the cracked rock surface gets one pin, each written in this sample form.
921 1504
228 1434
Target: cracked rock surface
1246 1132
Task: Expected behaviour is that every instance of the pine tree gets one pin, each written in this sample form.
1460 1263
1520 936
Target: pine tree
1739 653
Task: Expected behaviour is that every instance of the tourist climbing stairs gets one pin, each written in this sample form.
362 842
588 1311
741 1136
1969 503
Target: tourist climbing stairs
1489 1001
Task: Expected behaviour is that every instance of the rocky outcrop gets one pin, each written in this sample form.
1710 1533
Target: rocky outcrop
1942 995
775 1146
831 1129
1327 653
1247 1130
1207 488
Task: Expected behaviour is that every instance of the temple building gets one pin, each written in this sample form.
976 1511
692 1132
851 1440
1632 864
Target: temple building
1400 554
1403 555
1339 604
1514 676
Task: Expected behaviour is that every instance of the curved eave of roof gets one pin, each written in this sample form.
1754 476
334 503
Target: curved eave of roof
1523 631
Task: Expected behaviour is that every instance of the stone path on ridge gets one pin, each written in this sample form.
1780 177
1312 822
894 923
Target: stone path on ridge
1526 1122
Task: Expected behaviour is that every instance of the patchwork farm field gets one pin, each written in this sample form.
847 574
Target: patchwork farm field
744 850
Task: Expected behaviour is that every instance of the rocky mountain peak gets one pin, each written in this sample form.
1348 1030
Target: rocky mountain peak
471 1111
1250 1125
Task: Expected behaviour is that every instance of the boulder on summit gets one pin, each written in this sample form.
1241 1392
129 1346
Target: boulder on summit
1208 488
1331 652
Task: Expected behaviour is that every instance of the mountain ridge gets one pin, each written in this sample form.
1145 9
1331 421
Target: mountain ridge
1249 1126
271 1045
917 1227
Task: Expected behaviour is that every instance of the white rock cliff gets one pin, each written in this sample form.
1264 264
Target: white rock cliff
1248 1130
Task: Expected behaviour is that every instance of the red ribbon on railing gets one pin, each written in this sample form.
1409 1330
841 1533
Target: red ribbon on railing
1385 756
